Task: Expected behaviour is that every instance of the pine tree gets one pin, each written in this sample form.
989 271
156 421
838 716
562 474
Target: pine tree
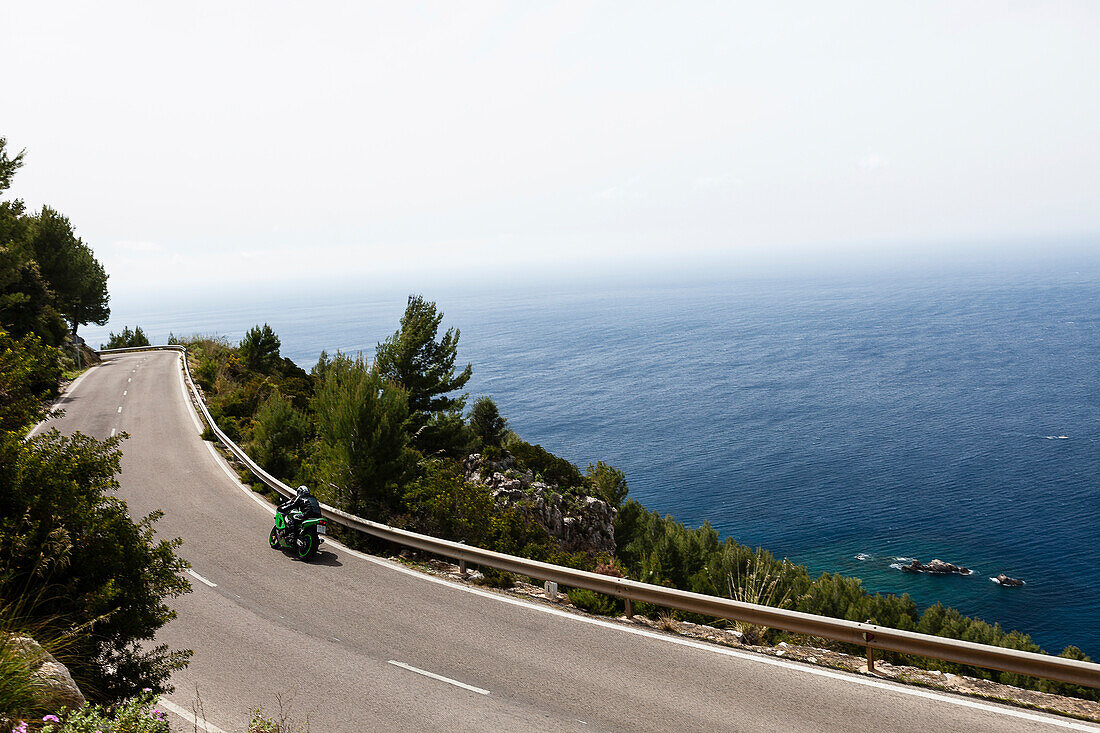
424 364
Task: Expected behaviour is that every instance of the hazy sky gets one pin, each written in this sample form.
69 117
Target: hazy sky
251 140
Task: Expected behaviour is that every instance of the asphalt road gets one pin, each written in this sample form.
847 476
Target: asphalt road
356 643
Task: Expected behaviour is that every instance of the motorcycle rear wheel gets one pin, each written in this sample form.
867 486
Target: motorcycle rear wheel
307 546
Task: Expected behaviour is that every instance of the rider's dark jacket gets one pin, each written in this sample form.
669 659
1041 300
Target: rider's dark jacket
305 503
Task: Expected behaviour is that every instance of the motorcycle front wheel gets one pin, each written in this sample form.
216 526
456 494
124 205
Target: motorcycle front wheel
273 539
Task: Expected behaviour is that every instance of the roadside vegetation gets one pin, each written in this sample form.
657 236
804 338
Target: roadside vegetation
126 339
387 438
81 578
138 714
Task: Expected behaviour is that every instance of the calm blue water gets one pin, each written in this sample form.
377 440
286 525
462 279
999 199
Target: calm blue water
951 416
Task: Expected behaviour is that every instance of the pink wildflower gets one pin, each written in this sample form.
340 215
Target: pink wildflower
50 719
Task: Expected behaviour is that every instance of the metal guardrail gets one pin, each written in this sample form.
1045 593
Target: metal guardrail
866 635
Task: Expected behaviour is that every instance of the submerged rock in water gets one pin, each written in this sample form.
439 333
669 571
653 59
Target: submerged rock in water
936 567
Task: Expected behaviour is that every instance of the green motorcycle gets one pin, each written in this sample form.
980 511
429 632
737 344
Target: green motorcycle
304 541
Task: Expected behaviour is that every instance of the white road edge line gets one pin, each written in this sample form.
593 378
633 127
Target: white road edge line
67 391
77 381
439 677
237 481
187 404
189 716
757 658
201 579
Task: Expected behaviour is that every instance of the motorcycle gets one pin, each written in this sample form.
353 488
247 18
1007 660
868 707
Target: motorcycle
305 541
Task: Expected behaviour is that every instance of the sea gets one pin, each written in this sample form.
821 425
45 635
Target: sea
848 423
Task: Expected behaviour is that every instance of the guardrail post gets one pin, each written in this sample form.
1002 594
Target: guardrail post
868 636
461 567
629 612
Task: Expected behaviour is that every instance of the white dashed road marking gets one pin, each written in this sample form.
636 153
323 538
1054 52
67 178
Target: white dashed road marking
120 408
189 717
439 677
201 579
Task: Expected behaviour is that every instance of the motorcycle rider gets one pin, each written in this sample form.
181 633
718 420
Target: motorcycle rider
303 506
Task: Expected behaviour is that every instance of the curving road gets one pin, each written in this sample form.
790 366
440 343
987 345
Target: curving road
356 643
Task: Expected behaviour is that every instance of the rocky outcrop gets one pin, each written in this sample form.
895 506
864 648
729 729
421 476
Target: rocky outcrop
579 523
1004 580
57 687
936 567
88 355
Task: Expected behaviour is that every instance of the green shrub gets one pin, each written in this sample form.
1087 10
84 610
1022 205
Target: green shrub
494 578
206 373
445 434
553 469
29 375
126 339
278 436
446 506
608 483
259 349
68 541
492 453
136 715
487 424
593 602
